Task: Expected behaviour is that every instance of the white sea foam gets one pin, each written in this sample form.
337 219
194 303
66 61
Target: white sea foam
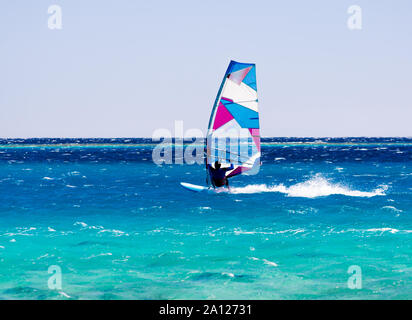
21 231
293 231
116 233
43 256
392 208
391 230
98 255
377 230
317 186
269 263
229 274
64 294
84 225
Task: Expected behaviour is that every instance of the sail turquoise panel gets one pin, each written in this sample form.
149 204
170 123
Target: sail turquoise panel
233 134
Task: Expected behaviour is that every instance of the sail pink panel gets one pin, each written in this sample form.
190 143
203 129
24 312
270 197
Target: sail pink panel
238 170
256 137
223 116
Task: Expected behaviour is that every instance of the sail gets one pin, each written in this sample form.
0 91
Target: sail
233 134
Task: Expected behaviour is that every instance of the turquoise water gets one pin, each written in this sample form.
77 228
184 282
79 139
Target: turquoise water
120 227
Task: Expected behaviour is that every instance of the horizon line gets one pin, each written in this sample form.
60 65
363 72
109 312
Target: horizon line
179 137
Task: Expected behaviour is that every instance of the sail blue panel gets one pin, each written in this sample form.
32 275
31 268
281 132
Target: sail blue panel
236 66
246 117
250 78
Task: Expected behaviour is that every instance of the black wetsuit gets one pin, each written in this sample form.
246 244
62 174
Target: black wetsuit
219 175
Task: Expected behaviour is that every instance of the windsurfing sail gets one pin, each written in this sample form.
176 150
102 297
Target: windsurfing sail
233 133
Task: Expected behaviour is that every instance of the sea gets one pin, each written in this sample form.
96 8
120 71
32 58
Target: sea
325 218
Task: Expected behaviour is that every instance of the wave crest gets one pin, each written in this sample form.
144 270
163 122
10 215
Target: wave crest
317 186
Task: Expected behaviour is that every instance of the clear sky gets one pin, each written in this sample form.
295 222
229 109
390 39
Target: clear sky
125 68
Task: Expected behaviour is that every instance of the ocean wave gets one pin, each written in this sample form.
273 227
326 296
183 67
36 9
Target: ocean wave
116 233
390 230
317 186
98 255
213 276
293 231
64 294
379 231
85 226
392 208
265 261
21 231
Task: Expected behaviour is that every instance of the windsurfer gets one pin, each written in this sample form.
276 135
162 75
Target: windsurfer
218 175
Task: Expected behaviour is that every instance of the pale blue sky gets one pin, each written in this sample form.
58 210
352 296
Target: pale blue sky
125 68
